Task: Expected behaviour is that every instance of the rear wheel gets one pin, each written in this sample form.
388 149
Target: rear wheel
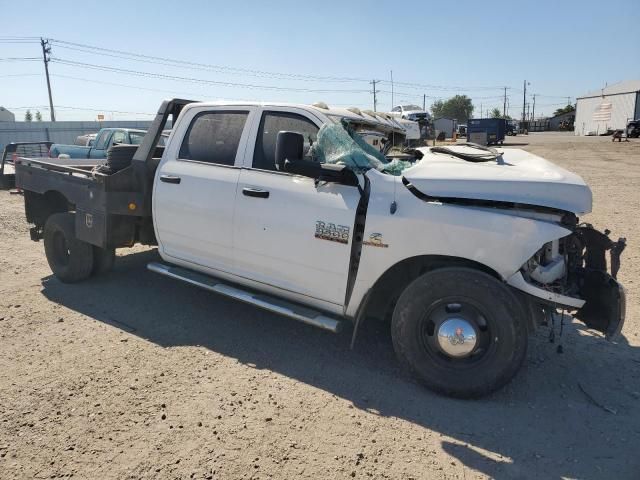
460 331
70 259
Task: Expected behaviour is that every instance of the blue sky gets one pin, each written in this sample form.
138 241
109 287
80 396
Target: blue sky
563 48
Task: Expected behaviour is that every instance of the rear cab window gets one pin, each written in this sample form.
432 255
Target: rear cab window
213 137
273 122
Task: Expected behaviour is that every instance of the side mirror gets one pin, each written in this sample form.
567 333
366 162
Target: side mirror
289 146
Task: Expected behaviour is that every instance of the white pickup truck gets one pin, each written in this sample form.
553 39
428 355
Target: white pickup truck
463 250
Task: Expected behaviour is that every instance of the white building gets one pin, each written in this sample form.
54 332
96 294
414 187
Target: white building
6 115
609 108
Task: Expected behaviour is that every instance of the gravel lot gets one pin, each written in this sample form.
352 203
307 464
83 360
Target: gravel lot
133 375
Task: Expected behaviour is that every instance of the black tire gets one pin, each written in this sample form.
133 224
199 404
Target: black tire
70 259
103 260
498 319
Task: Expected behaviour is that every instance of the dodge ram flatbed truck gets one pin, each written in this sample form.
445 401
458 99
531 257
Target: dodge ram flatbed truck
463 249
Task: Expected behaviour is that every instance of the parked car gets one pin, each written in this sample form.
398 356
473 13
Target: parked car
633 129
464 250
105 138
411 112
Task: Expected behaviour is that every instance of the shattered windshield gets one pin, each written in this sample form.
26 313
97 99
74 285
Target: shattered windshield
340 144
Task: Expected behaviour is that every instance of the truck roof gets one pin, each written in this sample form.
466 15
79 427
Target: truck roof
353 114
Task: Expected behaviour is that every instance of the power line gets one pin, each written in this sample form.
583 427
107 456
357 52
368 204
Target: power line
139 73
208 68
113 84
441 87
19 59
102 110
91 49
20 75
15 37
245 71
68 107
194 95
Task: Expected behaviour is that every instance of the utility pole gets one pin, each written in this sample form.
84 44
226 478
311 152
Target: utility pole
524 103
424 102
533 113
392 104
528 109
375 98
46 50
504 104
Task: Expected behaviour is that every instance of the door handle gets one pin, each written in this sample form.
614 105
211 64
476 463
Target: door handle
255 192
170 179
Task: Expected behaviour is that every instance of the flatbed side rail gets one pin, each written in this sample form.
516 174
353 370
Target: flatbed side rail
57 167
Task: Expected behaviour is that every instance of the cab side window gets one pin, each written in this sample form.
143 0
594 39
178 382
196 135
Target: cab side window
213 137
264 155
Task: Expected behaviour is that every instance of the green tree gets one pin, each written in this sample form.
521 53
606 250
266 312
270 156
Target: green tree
496 113
458 107
567 109
27 116
38 116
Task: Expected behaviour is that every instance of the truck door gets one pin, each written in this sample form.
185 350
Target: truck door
195 187
290 233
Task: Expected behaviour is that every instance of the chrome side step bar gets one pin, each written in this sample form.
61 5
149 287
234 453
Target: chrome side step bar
266 302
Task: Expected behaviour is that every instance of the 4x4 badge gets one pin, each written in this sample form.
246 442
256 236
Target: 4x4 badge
375 240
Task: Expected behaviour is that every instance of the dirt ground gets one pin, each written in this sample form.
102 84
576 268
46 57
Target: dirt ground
133 375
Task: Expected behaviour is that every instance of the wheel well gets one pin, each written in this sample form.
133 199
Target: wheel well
388 288
40 206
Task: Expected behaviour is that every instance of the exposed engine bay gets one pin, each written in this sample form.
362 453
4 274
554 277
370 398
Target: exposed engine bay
577 266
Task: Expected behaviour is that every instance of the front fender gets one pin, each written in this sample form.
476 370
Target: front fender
500 240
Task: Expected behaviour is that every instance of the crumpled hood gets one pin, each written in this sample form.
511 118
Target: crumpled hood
518 177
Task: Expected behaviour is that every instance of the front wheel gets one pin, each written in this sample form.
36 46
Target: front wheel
462 332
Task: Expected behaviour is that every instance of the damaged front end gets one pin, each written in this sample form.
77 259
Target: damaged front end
576 267
604 309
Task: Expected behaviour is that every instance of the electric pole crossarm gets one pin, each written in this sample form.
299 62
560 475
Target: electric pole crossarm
46 50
